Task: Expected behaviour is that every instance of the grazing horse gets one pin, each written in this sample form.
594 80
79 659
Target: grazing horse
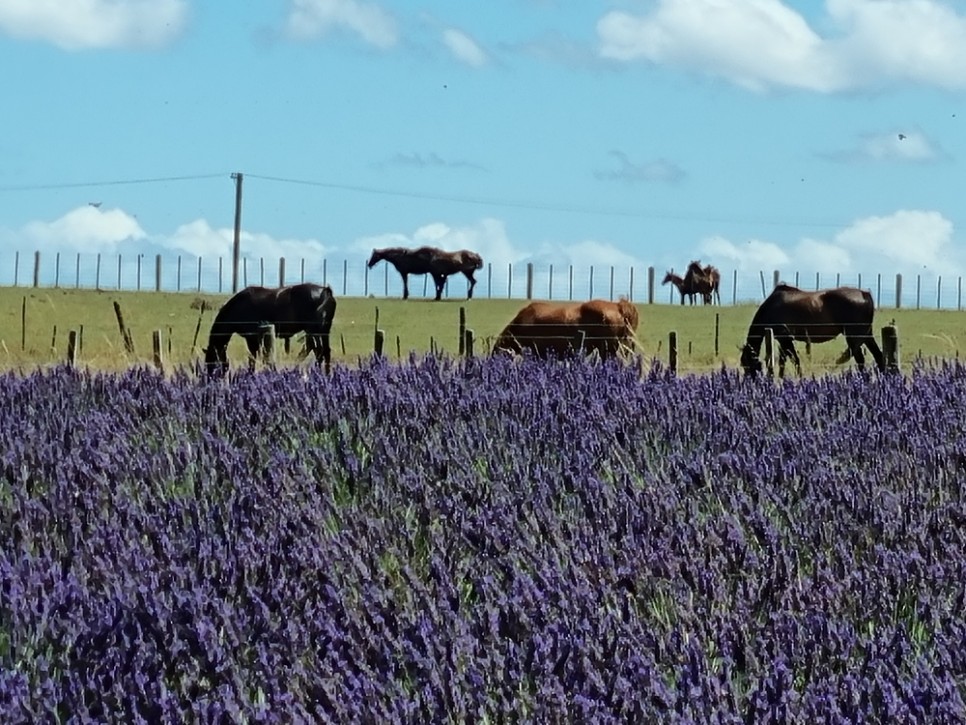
561 328
705 281
820 316
430 260
685 285
306 307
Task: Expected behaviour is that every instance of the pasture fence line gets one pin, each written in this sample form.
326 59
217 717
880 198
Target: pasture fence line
268 352
529 280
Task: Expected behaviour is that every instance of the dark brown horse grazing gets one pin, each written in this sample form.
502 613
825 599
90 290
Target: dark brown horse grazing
296 308
430 260
705 281
559 328
820 316
685 285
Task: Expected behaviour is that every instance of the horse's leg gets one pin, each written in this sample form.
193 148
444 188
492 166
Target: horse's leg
855 346
253 342
472 280
440 281
405 276
873 346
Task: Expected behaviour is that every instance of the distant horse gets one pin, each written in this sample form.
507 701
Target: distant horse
430 260
561 328
685 286
705 281
296 308
820 316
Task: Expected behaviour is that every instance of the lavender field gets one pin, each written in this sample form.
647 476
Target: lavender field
482 541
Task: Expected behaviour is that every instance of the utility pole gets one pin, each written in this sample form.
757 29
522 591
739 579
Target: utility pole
236 247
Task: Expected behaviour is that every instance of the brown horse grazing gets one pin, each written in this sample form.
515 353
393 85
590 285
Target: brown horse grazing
820 316
300 307
705 281
561 328
432 261
685 285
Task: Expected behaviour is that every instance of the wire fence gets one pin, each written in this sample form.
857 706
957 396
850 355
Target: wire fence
352 278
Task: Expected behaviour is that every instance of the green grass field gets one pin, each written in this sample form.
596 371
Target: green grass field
409 326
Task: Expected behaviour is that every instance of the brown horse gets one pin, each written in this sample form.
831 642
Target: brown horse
430 260
562 328
296 308
820 316
685 285
705 281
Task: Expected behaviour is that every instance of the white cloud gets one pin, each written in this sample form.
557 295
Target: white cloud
908 241
91 230
761 44
85 229
464 48
752 255
200 239
310 19
80 24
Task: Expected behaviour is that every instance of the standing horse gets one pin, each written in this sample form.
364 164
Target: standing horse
306 307
685 285
561 328
820 316
705 281
430 260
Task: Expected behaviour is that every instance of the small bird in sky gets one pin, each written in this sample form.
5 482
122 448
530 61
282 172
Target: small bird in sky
95 204
901 136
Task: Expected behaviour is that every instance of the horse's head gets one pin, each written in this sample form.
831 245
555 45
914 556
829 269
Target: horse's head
750 360
472 260
669 277
375 258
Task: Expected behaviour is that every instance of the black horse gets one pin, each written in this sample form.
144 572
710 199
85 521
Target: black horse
296 308
430 260
819 316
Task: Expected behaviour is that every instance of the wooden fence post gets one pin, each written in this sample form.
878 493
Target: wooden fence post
57 270
898 291
529 280
23 324
281 271
462 329
71 348
770 351
550 284
468 343
378 342
509 280
717 331
775 279
672 351
650 285
890 348
157 272
37 268
630 287
157 350
125 332
268 344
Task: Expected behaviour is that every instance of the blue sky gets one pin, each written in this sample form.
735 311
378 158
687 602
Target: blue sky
752 134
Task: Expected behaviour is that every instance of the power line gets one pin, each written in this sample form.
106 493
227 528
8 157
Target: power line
547 206
119 182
